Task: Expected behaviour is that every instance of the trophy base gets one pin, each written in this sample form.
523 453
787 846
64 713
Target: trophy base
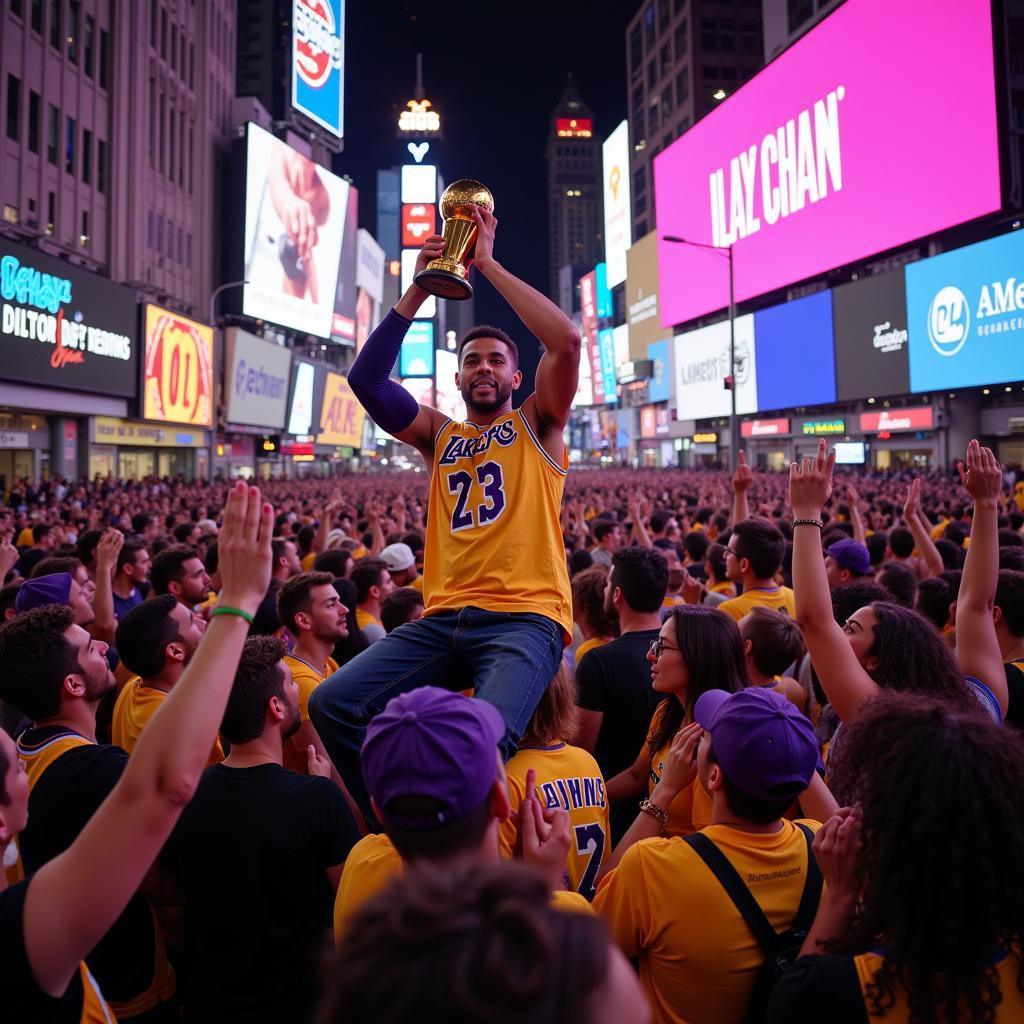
444 284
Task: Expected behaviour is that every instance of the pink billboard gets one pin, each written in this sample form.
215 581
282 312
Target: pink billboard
877 128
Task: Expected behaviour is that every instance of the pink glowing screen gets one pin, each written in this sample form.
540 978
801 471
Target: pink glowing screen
877 128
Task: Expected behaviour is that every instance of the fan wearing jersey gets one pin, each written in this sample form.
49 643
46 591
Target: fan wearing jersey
492 621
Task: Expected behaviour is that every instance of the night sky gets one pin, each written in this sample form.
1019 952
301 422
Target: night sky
494 71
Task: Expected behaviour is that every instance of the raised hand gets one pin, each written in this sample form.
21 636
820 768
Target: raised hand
108 549
244 548
835 849
810 485
8 553
433 247
982 477
912 505
744 475
486 224
543 834
681 761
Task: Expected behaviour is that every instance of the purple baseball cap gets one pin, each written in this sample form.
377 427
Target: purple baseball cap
53 589
852 555
765 746
432 743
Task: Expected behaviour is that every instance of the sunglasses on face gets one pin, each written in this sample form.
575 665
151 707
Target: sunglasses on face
659 645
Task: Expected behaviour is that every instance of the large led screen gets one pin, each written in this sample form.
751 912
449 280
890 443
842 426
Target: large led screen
877 127
966 313
870 319
795 355
318 62
702 364
295 222
178 376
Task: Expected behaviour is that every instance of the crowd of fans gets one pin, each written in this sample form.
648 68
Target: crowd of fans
786 734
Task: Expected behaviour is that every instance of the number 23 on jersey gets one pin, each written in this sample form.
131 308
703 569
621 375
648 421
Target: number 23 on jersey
479 496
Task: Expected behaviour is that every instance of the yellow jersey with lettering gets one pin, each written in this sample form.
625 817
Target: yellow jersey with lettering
567 777
307 679
690 811
494 540
135 706
779 599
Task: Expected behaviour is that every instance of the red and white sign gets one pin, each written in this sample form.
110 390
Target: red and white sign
876 128
648 421
418 221
920 417
764 428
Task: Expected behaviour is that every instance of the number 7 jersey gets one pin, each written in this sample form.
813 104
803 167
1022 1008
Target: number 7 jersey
494 538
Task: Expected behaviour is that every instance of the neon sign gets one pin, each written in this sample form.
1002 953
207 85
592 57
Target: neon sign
418 117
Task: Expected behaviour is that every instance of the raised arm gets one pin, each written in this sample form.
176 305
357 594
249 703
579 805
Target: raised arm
558 371
104 625
390 406
74 899
332 508
922 538
741 481
977 646
847 685
853 499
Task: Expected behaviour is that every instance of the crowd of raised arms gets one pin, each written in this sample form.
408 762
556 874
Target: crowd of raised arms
779 765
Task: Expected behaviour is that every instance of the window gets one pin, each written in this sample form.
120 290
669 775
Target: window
652 74
152 23
682 87
188 248
163 33
664 14
74 27
16 7
33 121
192 65
797 12
83 238
639 205
86 155
55 23
678 5
640 181
181 245
649 28
52 132
709 33
152 122
636 50
51 211
711 73
750 37
652 116
174 44
682 40
149 230
101 166
160 232
161 134
665 59
639 129
172 143
89 41
104 64
181 148
191 136
36 15
13 107
69 145
666 102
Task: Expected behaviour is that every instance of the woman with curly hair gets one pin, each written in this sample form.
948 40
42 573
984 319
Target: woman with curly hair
477 944
922 920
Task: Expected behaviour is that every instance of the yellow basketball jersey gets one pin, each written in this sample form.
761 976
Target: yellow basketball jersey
567 777
494 540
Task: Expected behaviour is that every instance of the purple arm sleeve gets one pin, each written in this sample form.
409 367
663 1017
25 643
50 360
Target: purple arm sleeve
390 406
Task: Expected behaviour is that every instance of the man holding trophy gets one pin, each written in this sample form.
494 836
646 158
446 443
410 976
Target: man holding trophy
498 604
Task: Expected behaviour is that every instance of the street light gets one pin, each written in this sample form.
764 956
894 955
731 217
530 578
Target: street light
734 431
213 323
213 298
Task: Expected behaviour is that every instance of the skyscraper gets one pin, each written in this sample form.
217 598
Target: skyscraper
575 215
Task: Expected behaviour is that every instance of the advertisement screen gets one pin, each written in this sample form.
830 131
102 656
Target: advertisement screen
429 307
618 218
343 324
588 313
300 412
63 327
341 416
702 364
449 397
919 417
369 265
823 158
660 355
870 318
764 428
256 381
419 183
966 310
850 453
642 295
318 62
795 357
584 385
419 220
417 355
295 218
421 388
606 351
178 378
621 339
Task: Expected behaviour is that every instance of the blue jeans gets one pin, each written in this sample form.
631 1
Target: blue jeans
509 658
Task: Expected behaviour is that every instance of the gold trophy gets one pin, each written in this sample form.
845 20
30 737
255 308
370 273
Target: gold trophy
448 276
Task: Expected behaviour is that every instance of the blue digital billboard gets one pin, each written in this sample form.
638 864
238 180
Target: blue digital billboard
606 348
318 62
417 358
795 353
966 315
659 353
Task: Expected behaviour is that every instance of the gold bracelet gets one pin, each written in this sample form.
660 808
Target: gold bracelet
658 813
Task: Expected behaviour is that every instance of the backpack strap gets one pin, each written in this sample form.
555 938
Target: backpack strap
742 898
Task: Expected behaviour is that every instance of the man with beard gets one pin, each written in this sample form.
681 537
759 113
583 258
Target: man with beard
492 621
56 674
258 853
155 640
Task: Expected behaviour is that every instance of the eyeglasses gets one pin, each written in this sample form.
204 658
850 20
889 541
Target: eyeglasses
657 646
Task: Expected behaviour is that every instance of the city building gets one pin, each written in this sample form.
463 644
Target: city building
575 212
683 57
785 21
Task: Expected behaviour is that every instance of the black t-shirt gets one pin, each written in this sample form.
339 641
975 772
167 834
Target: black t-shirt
22 998
616 679
266 620
30 559
66 796
250 852
818 988
1015 705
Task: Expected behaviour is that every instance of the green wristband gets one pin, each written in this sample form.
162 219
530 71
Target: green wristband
223 609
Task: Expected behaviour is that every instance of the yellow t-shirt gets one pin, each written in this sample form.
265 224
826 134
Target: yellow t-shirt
671 600
417 584
690 811
779 599
136 705
374 861
307 679
364 619
495 496
726 587
567 777
590 645
25 538
698 957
